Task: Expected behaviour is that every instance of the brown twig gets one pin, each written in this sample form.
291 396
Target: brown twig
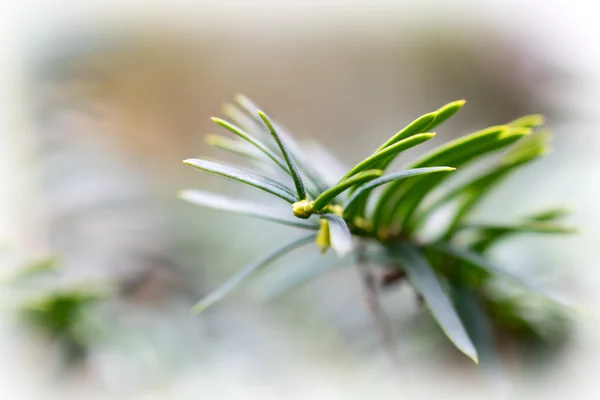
380 319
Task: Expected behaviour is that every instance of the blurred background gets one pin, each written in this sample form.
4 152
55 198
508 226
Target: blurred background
102 100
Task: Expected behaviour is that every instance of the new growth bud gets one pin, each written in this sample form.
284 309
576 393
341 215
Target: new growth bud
302 209
323 240
336 209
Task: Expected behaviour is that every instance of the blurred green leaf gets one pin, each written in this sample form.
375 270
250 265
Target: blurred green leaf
549 215
467 146
362 192
50 301
473 191
488 235
528 149
469 194
327 196
254 142
507 313
528 121
40 267
243 207
449 154
313 176
426 282
248 271
233 146
59 316
247 122
480 330
480 261
340 236
309 272
258 181
525 227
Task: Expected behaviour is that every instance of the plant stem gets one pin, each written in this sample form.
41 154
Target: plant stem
371 295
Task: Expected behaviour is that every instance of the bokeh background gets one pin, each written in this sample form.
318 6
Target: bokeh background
103 100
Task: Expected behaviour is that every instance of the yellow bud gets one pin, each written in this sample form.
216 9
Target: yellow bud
336 209
302 208
323 239
362 223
